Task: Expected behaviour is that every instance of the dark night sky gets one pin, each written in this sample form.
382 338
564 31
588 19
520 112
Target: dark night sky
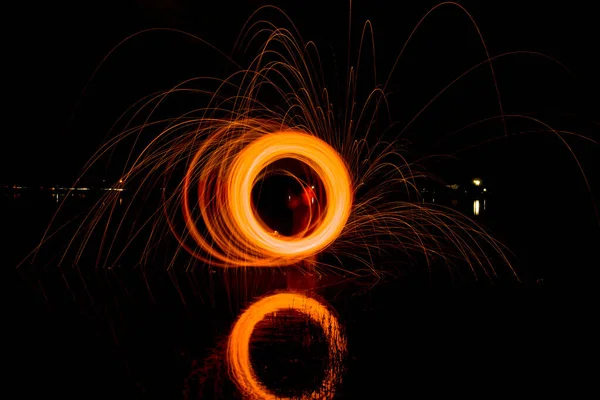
54 48
51 49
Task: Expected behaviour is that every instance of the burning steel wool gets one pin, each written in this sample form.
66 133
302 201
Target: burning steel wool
239 237
358 199
207 162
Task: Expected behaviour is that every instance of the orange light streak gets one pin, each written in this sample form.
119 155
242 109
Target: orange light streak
322 159
237 235
238 346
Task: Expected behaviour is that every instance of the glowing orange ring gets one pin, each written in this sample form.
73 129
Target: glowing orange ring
238 352
233 159
327 165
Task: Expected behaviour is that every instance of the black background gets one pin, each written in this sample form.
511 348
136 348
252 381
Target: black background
471 342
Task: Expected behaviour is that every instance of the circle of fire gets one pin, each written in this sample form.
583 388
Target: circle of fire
207 159
238 350
226 171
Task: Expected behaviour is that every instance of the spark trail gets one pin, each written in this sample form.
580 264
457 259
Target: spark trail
207 161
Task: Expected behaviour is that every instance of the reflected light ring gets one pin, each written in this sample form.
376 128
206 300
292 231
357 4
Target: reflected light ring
238 346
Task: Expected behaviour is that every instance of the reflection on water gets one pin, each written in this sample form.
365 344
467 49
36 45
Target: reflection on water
478 206
159 342
56 197
280 305
290 310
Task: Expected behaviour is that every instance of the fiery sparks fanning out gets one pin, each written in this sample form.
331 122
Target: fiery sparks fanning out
238 346
208 156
